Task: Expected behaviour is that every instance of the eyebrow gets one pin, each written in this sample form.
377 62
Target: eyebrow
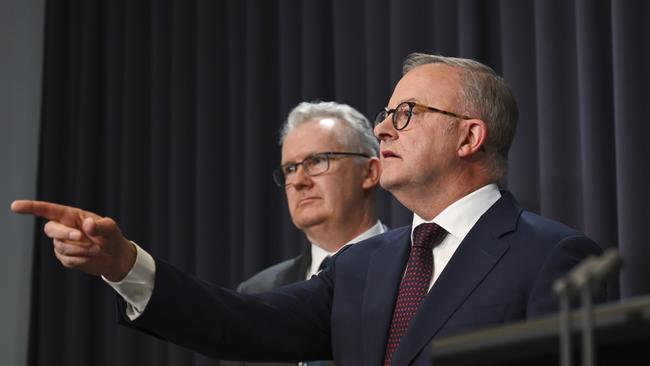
409 100
303 159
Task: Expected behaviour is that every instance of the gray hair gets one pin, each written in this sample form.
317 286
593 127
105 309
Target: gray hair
485 95
359 136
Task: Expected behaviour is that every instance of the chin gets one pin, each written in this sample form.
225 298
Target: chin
389 183
306 221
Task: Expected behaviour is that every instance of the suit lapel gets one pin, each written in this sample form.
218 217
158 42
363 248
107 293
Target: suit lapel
477 254
385 271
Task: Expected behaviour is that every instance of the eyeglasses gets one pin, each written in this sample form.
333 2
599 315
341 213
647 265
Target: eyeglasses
404 111
313 165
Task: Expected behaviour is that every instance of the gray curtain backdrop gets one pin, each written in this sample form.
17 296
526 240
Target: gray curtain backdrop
164 116
21 62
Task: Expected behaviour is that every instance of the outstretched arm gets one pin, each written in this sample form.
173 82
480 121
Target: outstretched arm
82 239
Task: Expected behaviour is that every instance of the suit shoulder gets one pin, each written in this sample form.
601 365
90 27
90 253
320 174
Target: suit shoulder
548 235
509 221
386 238
544 225
265 279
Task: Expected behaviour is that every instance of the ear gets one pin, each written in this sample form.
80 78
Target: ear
371 173
472 138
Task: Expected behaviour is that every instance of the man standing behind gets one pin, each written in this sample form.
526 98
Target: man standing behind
329 172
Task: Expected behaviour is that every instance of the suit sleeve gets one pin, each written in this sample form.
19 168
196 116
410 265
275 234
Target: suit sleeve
290 323
565 255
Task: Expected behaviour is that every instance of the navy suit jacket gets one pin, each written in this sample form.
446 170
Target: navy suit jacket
280 274
501 272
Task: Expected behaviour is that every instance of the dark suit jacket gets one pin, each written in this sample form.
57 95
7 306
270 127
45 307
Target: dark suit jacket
280 274
283 273
501 272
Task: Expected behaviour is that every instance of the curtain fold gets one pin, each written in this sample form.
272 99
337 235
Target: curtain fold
631 55
164 115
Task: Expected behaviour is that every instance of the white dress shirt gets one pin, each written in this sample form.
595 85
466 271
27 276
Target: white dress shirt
457 219
318 253
136 288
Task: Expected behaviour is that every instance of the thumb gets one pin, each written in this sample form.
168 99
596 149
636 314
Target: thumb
103 226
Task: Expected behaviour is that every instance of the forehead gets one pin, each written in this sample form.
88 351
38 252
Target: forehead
432 84
311 137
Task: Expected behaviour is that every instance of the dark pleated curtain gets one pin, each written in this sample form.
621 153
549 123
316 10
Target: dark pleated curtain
164 115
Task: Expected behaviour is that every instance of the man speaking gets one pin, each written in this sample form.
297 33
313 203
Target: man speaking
471 258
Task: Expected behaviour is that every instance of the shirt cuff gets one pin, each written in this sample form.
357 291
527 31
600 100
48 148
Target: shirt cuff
136 288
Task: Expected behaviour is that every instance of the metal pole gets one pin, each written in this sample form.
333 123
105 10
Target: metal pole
565 329
588 354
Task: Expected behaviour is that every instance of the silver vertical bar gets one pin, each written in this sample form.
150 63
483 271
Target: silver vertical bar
588 354
565 329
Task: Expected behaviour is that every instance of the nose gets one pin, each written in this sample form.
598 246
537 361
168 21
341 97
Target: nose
300 179
384 130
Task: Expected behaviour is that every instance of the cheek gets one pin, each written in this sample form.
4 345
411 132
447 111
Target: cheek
348 191
427 151
331 190
328 196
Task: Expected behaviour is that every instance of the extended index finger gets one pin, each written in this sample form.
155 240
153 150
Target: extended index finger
47 210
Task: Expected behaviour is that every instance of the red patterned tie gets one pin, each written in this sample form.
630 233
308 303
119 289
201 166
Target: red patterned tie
415 283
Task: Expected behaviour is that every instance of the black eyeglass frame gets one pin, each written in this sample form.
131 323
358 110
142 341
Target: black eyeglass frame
280 178
381 116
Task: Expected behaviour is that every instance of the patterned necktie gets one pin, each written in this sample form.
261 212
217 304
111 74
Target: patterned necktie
415 283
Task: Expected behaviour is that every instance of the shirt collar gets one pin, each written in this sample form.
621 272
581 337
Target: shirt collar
318 253
459 217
